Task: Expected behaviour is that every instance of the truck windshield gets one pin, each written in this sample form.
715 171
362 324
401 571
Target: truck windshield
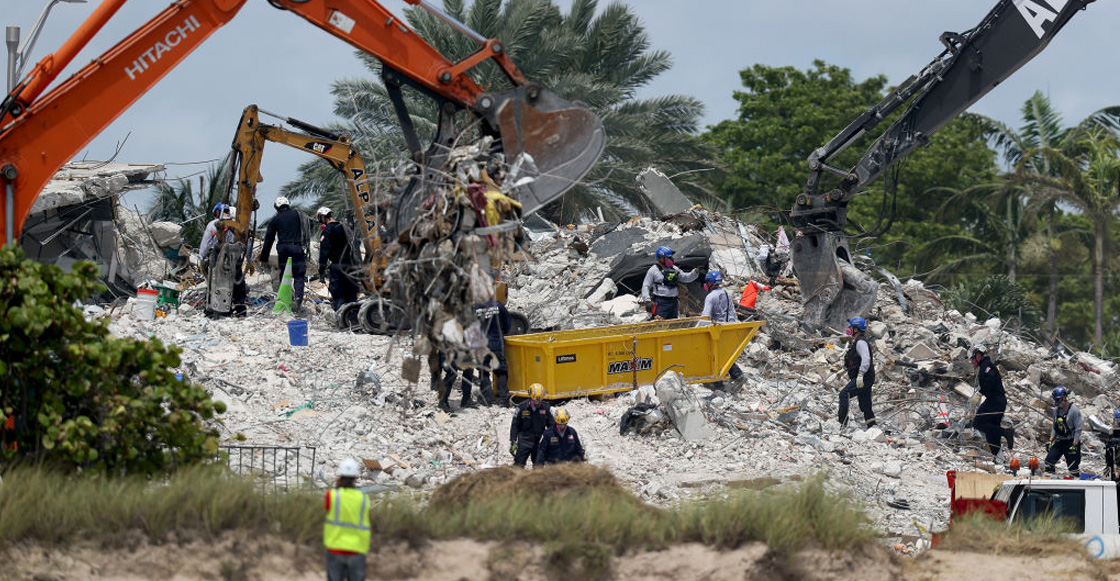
1068 505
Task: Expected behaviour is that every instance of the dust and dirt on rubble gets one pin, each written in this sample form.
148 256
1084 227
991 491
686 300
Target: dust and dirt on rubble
343 394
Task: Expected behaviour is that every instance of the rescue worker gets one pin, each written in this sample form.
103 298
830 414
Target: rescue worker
560 443
1112 450
450 374
335 251
210 235
990 413
531 419
719 307
660 284
1065 434
291 235
858 363
346 528
496 323
209 255
770 263
750 295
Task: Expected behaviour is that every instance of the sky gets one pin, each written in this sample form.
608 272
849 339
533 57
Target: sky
283 64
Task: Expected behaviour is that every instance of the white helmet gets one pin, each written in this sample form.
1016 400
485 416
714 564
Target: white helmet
349 468
281 202
323 212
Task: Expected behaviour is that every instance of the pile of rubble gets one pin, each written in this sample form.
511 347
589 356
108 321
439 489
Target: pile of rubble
343 394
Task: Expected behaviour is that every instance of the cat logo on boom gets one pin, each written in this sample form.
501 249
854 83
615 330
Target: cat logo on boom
318 147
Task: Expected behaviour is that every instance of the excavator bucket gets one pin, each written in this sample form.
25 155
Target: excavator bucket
563 139
832 289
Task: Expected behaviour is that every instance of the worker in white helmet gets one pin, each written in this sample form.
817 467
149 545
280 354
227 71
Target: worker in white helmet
346 530
292 235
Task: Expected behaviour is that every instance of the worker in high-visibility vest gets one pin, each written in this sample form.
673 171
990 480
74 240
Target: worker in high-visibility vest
346 528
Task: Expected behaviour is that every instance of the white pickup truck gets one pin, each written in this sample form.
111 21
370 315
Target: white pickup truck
1091 505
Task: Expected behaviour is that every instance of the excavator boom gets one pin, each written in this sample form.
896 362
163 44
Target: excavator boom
971 65
40 132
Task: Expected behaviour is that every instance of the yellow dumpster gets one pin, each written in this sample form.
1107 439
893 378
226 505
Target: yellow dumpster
603 360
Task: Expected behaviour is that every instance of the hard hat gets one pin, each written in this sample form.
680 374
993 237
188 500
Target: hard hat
979 348
714 278
664 252
323 212
349 468
562 416
281 202
858 323
1060 392
219 208
1116 414
536 392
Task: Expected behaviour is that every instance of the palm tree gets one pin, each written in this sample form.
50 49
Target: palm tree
1022 150
599 59
995 221
1087 172
178 202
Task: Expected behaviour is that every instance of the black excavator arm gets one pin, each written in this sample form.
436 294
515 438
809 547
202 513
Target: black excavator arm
972 64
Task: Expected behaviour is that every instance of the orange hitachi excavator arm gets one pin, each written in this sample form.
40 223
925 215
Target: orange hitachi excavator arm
40 132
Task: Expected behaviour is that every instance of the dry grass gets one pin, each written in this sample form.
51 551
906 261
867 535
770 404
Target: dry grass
1041 537
583 506
203 501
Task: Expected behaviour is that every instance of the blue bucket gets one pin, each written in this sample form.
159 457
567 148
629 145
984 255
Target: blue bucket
297 332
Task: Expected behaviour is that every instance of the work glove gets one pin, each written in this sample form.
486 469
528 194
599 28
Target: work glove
1075 449
1049 444
513 449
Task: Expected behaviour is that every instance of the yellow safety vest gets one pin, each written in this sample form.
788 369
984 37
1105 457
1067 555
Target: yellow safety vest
347 524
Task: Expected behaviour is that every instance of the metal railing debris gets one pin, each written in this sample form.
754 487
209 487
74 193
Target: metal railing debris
273 468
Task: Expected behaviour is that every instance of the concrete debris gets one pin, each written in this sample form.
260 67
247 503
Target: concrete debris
371 399
662 192
77 217
683 408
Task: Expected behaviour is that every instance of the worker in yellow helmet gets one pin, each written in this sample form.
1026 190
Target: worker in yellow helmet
531 418
560 443
346 529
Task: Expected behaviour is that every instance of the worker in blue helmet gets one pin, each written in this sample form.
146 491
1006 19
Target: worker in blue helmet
1065 434
860 366
719 307
1112 450
661 284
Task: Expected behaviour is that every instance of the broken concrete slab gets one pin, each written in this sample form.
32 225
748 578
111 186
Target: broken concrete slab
921 352
662 192
683 408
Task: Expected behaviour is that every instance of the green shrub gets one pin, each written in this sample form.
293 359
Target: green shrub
995 296
72 395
